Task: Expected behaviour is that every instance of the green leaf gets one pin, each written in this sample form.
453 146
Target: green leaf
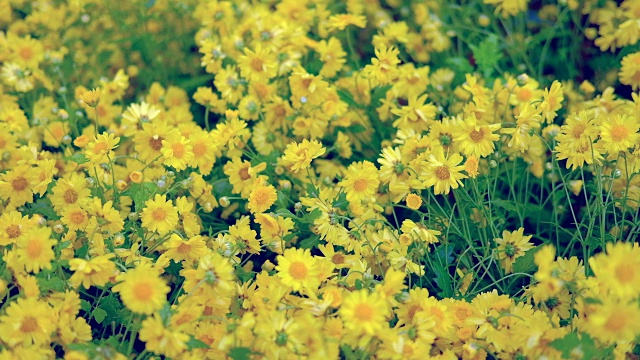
576 343
348 98
341 201
443 280
310 242
78 158
53 283
487 54
194 343
312 216
378 94
140 193
240 353
359 284
99 315
43 207
525 263
85 305
286 213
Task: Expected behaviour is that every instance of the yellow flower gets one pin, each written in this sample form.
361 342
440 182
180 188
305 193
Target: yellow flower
341 21
179 249
91 97
262 196
242 175
159 215
619 133
298 269
384 67
299 156
100 150
142 290
443 173
614 321
28 321
413 201
96 271
177 151
618 270
258 65
511 246
474 139
363 313
161 340
72 190
16 185
630 71
361 181
35 249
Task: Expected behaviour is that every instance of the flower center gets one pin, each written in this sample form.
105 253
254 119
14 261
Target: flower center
159 215
619 133
476 135
624 273
244 173
100 148
70 196
77 217
578 130
13 231
34 249
298 270
360 185
442 173
184 248
19 183
199 149
178 150
143 291
364 312
616 322
29 324
257 65
156 143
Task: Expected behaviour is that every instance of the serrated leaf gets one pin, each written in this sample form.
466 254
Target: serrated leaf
359 284
487 54
99 315
54 284
312 216
194 343
286 213
443 280
341 202
310 242
240 353
165 314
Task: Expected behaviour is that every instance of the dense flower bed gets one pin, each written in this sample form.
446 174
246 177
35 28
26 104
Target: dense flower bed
319 179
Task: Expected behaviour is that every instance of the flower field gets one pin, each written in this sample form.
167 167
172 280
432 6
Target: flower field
388 179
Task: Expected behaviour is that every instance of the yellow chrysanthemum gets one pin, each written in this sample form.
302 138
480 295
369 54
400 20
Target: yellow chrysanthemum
159 215
363 313
142 290
298 269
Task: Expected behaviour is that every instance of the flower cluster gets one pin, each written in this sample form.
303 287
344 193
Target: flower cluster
319 179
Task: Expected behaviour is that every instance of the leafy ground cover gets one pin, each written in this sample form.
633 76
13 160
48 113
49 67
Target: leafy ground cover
319 179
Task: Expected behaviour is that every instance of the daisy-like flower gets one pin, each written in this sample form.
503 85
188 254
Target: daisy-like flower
101 148
142 290
614 321
242 175
28 321
179 249
262 196
298 269
75 217
35 249
361 181
341 21
443 173
177 151
90 97
13 225
94 272
258 65
619 269
161 340
16 185
159 215
299 156
630 71
72 190
619 133
474 139
511 246
384 67
363 313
